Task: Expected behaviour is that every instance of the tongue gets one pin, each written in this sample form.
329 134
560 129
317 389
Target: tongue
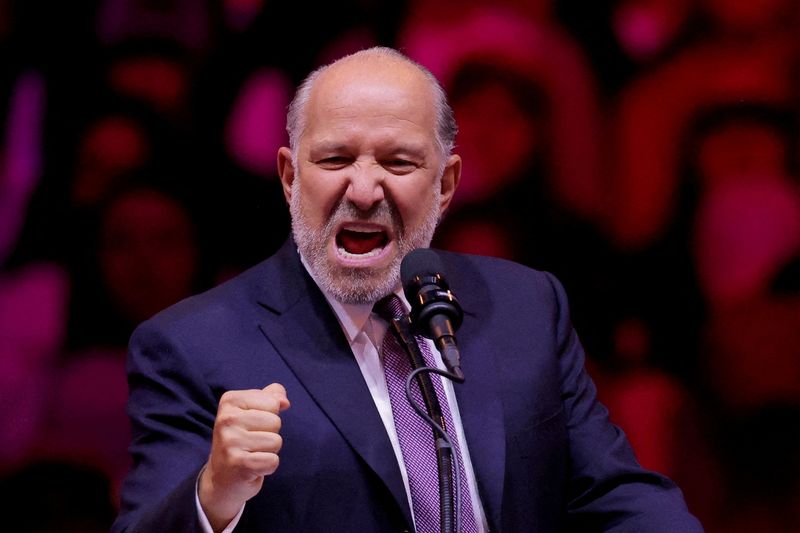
356 242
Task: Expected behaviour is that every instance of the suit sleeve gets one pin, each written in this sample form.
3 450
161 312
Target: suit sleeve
172 416
608 490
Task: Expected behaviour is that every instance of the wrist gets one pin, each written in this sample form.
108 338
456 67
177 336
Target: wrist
219 505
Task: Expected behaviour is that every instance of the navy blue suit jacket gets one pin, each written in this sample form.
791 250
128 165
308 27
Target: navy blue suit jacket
545 456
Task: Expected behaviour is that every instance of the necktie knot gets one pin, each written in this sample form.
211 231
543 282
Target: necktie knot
389 308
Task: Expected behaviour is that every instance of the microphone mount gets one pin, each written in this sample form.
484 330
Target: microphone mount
433 296
436 314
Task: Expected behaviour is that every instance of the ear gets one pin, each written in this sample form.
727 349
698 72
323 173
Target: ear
286 171
449 182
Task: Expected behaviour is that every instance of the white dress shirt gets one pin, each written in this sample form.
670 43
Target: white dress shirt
364 331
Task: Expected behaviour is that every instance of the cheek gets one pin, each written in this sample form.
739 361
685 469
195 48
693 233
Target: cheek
318 197
414 199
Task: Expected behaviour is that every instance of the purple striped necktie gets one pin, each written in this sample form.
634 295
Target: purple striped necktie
415 435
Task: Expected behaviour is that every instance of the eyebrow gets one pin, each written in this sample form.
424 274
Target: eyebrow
410 149
328 147
414 150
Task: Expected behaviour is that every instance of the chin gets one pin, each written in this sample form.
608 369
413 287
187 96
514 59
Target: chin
360 285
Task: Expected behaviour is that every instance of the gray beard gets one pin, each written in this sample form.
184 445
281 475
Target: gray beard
360 285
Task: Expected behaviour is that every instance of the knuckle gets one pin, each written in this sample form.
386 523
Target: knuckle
271 464
275 423
272 404
228 440
251 462
266 403
262 464
227 398
231 456
225 420
277 442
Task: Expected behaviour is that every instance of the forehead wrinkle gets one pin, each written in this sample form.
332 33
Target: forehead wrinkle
342 131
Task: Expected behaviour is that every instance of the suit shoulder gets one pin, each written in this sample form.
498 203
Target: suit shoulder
482 281
213 308
495 270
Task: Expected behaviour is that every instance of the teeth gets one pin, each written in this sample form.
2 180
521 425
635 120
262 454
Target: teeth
371 253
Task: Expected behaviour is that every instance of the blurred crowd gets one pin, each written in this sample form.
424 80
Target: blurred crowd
644 151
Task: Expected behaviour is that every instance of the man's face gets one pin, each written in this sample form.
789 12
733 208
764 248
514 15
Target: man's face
147 254
370 183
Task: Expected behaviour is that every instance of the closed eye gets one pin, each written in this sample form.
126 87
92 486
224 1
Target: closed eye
399 166
334 162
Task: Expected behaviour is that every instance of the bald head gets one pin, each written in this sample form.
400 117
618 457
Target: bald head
382 63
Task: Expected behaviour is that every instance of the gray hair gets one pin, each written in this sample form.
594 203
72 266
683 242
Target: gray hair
446 127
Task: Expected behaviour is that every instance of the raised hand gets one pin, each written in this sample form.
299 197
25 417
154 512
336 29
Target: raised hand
244 449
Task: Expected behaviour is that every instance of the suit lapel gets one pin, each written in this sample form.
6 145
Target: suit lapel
482 417
480 396
305 333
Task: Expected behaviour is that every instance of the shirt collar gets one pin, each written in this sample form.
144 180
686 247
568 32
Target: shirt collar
352 317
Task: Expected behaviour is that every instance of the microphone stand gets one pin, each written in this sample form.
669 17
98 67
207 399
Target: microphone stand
449 495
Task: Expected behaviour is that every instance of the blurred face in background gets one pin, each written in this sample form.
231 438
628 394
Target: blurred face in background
111 146
497 138
747 222
159 81
741 151
148 255
747 16
645 28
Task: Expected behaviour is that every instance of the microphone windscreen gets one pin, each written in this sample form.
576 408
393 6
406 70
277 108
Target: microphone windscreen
419 262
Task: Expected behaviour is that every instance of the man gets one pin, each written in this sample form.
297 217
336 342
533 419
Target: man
368 175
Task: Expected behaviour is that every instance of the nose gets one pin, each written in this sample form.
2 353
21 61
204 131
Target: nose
365 188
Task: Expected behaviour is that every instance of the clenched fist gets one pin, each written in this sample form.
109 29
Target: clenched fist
244 449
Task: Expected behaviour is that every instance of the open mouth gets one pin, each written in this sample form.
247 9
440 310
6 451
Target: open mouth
356 243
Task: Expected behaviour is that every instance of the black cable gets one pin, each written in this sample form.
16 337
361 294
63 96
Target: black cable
442 434
401 328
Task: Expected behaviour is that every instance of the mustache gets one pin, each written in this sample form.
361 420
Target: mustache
384 213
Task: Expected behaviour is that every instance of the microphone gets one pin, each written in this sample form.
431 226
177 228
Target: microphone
435 312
